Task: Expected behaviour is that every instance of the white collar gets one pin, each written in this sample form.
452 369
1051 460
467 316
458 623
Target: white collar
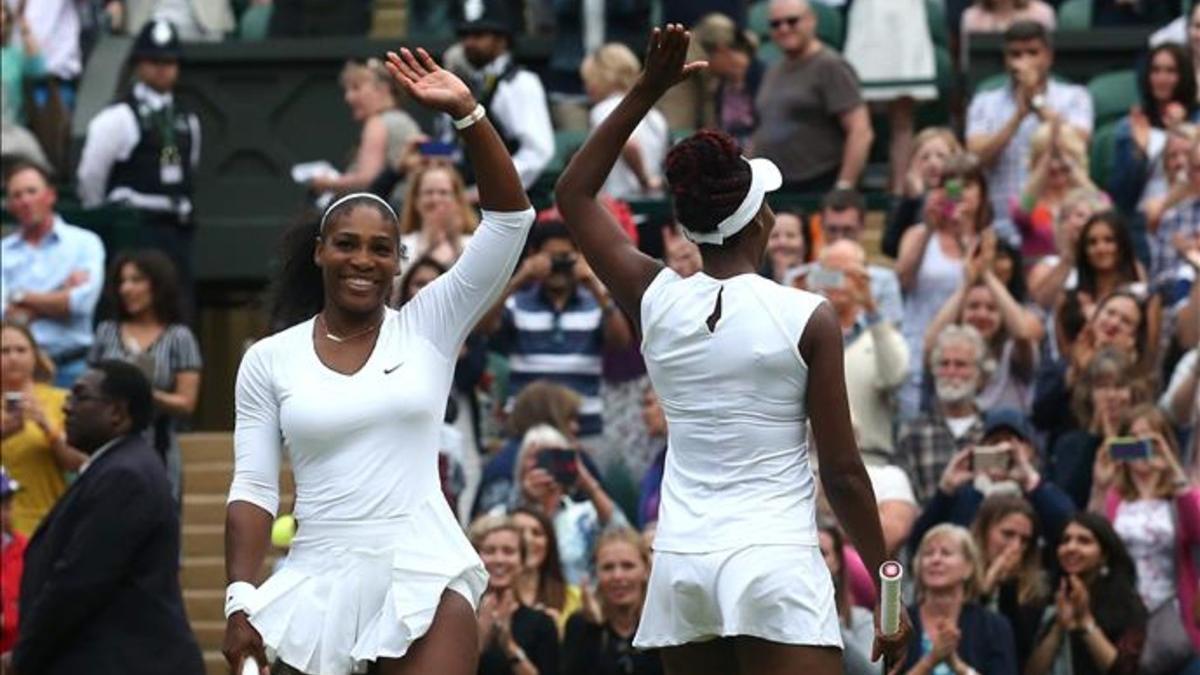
496 67
154 99
96 455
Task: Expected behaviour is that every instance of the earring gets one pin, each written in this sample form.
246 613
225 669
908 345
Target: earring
1104 570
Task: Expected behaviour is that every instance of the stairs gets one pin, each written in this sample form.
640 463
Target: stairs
207 472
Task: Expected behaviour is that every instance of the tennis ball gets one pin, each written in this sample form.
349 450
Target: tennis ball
283 530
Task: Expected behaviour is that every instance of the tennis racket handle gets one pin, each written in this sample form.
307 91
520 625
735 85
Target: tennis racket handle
249 666
890 575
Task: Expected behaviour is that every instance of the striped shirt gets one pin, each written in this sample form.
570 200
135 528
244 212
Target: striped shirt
174 351
563 347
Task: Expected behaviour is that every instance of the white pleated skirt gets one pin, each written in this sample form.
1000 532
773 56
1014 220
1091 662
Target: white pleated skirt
349 593
781 593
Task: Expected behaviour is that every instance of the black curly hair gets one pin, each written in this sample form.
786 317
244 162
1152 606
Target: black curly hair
708 179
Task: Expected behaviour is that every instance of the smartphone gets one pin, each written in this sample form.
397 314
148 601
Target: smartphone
562 463
1128 449
991 458
562 264
13 401
437 149
954 189
823 277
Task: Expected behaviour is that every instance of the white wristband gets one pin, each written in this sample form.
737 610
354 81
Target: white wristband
240 597
474 116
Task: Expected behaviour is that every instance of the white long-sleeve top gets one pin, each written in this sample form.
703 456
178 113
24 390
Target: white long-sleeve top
364 446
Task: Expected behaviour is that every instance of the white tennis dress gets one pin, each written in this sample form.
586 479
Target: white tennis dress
377 543
736 551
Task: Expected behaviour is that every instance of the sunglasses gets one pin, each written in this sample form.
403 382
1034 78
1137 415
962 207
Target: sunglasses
789 21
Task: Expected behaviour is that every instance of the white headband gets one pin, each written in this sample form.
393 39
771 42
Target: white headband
356 195
764 178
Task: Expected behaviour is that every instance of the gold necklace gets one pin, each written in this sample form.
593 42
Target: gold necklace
339 340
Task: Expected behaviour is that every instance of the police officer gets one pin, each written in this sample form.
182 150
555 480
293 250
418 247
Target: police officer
142 152
513 96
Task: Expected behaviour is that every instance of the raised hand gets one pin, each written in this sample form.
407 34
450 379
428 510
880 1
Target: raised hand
429 84
666 58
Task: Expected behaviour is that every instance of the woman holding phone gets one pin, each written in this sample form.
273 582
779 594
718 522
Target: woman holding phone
34 446
1141 487
147 330
554 478
379 571
738 583
932 257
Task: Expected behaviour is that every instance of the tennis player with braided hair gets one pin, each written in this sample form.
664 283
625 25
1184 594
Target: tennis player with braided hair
740 365
379 570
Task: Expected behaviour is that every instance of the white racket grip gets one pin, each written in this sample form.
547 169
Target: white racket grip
250 666
890 575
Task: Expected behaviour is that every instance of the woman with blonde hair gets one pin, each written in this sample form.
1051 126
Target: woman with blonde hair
34 446
1006 530
599 638
1054 275
1154 509
608 74
956 632
932 147
1058 164
933 255
571 497
373 98
514 639
540 402
436 220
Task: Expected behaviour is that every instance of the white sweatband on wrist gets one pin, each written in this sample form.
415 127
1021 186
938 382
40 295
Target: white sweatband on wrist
474 116
240 597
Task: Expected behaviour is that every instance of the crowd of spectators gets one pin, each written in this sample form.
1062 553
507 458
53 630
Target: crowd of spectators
1021 345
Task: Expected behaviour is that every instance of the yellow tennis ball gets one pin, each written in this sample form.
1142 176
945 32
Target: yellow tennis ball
283 530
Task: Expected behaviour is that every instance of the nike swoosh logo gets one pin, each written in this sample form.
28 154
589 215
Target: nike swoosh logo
389 371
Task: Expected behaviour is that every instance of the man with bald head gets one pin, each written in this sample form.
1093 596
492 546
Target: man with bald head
876 363
877 358
813 122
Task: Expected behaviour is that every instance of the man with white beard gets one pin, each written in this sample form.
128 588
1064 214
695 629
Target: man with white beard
928 443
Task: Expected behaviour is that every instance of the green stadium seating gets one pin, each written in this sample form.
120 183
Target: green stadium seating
935 13
1075 15
1104 141
756 20
255 22
831 27
769 53
1113 94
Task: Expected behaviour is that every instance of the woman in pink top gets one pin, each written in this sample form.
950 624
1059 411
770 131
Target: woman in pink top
1155 510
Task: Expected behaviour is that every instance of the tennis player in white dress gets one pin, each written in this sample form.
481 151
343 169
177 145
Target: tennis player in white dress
379 570
740 365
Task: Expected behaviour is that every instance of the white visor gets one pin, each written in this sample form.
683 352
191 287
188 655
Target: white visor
764 178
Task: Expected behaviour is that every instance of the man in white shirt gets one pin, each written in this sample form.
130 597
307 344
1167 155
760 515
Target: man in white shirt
1001 122
142 152
514 97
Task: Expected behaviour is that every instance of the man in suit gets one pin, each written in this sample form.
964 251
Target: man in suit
100 593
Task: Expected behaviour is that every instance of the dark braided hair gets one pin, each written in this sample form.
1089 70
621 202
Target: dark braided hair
708 179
